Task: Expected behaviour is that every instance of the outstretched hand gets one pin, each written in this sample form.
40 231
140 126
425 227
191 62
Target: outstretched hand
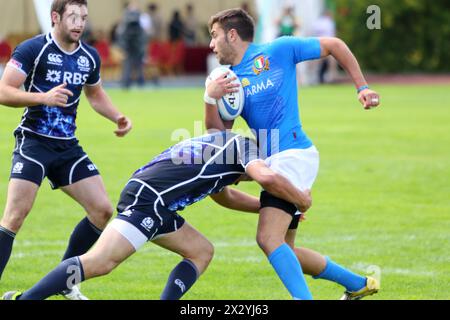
124 126
369 99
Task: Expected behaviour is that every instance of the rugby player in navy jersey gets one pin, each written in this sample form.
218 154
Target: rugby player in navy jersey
268 74
180 176
54 68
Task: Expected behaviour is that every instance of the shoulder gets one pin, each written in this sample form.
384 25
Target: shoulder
91 50
33 45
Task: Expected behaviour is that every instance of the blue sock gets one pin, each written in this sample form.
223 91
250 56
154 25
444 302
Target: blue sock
6 244
290 272
181 279
67 274
82 239
334 272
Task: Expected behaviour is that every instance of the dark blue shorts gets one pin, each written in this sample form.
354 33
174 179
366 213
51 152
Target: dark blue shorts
63 162
140 207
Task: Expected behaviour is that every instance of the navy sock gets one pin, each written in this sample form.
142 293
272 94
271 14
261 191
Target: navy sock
82 239
66 275
181 279
336 273
6 244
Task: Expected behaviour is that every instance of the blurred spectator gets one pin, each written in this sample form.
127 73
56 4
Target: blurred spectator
288 23
5 54
133 41
88 34
190 26
246 7
157 22
325 26
147 24
176 27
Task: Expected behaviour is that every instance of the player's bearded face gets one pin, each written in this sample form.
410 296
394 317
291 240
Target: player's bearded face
73 23
221 46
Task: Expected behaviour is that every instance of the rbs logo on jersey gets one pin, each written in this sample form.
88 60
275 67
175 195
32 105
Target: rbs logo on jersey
74 78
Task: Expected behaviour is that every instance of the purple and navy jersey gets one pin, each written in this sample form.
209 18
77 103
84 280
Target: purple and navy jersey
196 168
46 66
268 75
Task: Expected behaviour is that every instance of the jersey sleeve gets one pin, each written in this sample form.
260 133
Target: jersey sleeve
94 77
247 151
297 49
24 56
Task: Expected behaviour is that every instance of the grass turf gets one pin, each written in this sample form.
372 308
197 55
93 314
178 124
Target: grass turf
381 198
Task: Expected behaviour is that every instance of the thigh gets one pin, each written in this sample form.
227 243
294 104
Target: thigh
186 241
20 200
111 249
90 193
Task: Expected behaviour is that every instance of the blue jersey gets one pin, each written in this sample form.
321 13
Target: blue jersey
193 169
46 66
268 75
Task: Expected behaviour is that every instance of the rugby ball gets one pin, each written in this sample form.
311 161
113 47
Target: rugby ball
231 105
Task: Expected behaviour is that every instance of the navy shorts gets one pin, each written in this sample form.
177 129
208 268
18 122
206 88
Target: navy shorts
63 162
269 200
140 207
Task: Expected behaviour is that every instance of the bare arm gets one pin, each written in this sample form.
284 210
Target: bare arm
340 51
278 185
213 121
12 96
103 105
237 200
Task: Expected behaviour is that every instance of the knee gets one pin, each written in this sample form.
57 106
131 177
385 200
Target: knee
100 267
101 213
14 219
203 256
268 242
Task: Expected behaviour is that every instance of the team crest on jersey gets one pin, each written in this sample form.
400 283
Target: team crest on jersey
83 64
260 65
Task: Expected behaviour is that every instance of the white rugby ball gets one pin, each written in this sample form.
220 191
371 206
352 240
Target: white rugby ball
231 105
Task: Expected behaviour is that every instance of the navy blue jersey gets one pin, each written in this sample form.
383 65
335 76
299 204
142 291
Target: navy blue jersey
46 66
193 169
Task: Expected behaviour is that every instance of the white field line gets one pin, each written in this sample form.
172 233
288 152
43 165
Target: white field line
22 250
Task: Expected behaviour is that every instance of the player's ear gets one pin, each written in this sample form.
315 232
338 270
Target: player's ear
56 18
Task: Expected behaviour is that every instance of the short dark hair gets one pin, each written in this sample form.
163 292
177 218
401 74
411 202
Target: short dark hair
237 19
59 6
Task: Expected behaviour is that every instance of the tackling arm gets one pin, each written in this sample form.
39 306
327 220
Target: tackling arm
278 185
237 200
103 105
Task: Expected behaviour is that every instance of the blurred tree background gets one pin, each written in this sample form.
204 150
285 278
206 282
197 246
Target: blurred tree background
414 34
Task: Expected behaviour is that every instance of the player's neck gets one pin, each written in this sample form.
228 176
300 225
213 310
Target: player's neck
64 45
240 53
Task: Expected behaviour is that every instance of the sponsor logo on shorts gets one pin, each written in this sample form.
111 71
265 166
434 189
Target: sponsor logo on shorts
55 59
180 283
91 167
127 213
147 224
18 167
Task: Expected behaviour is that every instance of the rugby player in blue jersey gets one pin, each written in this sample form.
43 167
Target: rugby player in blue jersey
54 68
180 176
268 74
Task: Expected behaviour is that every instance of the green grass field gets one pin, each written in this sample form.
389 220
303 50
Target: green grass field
382 197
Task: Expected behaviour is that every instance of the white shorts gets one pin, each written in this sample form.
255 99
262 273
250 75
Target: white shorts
299 166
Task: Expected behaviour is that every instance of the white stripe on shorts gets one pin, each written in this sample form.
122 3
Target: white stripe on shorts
130 232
